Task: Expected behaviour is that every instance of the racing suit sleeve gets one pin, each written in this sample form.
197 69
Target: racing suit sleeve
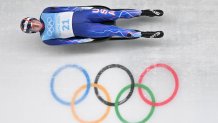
67 41
61 9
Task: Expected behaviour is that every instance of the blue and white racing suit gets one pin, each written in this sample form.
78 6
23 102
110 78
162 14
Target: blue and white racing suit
73 25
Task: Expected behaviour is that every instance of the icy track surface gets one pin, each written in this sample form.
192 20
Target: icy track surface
190 47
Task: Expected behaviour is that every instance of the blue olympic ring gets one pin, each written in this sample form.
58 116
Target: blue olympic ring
52 84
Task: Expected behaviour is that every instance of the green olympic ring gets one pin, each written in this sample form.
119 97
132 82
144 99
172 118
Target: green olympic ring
125 89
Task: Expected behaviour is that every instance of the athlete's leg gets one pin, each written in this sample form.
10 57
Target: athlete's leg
97 30
100 15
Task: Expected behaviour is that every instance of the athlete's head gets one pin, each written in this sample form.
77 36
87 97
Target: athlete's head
31 25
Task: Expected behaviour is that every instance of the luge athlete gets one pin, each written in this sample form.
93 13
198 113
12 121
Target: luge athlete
74 25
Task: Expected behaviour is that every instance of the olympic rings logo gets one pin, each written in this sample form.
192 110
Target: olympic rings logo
117 102
50 26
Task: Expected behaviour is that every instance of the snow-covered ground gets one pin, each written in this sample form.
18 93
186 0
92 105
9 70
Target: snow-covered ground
190 47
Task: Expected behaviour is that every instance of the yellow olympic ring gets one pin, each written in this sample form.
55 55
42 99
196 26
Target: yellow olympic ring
74 98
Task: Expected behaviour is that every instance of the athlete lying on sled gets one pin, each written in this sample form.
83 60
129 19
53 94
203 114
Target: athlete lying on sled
74 25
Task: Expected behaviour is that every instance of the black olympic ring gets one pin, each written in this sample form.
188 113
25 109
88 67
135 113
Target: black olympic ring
131 88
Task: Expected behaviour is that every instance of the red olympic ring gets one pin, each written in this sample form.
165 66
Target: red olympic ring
175 89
